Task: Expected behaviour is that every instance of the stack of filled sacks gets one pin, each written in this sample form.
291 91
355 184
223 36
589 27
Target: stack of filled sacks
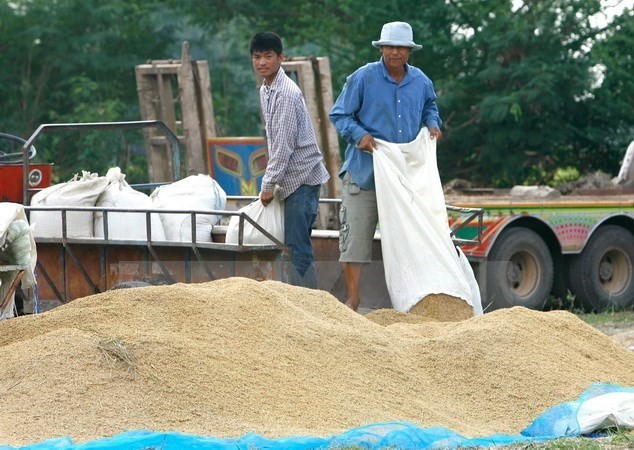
194 193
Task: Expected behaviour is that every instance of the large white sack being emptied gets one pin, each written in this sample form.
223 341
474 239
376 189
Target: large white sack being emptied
126 225
194 193
419 256
80 191
270 217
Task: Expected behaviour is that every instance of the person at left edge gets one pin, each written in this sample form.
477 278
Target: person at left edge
295 166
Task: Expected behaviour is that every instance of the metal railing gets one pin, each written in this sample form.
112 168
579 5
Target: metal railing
457 225
64 210
468 215
68 241
169 134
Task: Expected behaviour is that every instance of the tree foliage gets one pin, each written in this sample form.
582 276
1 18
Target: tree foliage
605 125
73 61
524 69
517 81
524 87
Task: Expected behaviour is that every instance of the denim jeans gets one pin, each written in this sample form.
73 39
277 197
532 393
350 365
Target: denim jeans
300 212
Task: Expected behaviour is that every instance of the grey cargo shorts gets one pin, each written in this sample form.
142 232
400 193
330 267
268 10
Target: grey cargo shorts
358 217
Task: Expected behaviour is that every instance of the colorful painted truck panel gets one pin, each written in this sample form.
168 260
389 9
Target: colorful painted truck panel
532 248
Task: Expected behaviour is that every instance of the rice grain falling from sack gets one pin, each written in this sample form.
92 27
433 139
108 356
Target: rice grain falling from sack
237 356
443 308
391 316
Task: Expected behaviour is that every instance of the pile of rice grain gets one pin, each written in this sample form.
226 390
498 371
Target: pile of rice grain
235 356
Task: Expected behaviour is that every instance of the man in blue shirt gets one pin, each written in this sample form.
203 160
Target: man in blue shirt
390 100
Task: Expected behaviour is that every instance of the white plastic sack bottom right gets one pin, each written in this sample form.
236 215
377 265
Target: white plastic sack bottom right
419 256
270 217
614 409
600 406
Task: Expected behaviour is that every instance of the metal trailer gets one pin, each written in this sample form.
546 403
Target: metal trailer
72 267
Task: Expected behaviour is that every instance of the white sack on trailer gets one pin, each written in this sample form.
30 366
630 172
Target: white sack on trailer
270 217
194 193
419 255
126 225
80 191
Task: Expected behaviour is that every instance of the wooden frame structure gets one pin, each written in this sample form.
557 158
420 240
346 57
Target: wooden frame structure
157 82
188 112
312 75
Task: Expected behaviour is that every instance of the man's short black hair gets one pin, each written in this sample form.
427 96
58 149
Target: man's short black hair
265 41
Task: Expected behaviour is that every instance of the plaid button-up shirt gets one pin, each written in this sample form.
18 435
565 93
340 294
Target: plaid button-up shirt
294 156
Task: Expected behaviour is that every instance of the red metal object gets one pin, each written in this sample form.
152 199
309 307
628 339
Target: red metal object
12 181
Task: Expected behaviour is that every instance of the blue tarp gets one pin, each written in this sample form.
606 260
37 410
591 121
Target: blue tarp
559 421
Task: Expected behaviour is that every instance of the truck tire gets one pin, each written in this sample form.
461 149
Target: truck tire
519 271
602 276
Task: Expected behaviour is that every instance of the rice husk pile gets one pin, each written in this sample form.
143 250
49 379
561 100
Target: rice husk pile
234 356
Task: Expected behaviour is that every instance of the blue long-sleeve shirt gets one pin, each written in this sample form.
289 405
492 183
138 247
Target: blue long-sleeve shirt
372 102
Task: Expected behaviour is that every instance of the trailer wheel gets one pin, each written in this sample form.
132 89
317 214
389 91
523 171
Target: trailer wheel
602 276
519 271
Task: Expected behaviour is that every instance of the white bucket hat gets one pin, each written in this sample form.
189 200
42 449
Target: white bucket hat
397 34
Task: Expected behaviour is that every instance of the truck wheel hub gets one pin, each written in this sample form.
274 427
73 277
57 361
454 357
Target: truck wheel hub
605 270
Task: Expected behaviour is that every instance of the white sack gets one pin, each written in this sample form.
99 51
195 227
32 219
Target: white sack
534 191
19 243
10 235
615 409
626 175
122 226
270 217
80 191
419 256
194 193
17 248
